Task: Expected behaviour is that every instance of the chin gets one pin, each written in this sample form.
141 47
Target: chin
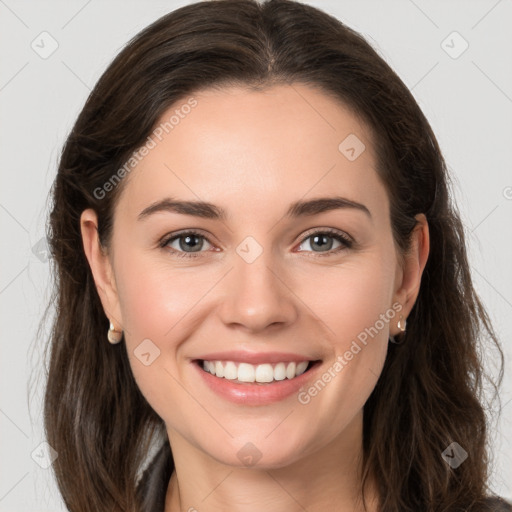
262 454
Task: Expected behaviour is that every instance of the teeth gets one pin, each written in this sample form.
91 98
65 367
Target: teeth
290 370
280 371
246 372
264 373
230 371
301 368
219 369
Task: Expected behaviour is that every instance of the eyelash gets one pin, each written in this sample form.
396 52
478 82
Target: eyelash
346 241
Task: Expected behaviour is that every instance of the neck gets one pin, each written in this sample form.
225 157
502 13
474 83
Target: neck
327 479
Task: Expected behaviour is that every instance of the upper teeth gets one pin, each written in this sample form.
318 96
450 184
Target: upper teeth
246 372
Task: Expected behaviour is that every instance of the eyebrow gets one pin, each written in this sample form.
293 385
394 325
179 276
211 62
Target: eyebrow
210 211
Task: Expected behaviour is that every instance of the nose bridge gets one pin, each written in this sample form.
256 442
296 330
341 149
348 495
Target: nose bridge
256 295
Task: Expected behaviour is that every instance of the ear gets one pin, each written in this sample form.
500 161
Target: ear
412 267
101 267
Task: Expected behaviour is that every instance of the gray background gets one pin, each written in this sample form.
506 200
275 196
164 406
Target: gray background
467 99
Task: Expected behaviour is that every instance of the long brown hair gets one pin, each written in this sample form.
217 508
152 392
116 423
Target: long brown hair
430 391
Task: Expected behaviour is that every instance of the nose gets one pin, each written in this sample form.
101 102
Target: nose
258 295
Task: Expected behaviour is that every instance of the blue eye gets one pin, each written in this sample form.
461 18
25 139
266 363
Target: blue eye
190 243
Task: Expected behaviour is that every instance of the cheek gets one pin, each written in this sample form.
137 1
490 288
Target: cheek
162 308
154 298
352 298
153 302
158 307
355 304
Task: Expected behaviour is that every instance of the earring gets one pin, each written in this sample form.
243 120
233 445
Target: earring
113 335
402 323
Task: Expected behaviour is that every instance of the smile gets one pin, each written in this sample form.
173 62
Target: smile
256 384
250 373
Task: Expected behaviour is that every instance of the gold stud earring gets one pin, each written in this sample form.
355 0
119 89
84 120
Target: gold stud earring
113 335
402 323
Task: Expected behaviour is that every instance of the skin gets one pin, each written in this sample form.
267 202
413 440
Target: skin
253 154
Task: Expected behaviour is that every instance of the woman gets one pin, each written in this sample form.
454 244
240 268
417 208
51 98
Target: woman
254 211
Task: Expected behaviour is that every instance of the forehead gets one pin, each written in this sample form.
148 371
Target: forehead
242 147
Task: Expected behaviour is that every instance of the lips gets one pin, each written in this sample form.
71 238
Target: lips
255 378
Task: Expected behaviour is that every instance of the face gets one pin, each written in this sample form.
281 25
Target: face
263 288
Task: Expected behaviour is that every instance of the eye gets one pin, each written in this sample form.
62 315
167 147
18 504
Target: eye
186 243
323 241
189 244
